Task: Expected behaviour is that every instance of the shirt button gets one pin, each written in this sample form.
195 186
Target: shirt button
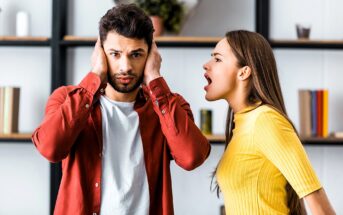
102 90
163 111
87 106
96 184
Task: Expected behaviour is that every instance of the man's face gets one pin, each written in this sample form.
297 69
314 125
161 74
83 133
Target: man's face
126 59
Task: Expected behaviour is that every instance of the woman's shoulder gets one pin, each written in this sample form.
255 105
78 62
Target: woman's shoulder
268 114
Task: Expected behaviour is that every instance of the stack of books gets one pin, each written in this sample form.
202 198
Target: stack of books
314 112
9 109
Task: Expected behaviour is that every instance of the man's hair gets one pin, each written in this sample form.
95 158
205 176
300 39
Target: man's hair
127 20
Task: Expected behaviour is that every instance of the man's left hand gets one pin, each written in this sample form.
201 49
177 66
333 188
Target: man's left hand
153 65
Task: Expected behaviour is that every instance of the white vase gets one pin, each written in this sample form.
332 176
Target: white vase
22 24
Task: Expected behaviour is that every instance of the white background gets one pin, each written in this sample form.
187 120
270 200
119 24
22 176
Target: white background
24 173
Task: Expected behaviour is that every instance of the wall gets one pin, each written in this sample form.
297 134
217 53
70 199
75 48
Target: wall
24 180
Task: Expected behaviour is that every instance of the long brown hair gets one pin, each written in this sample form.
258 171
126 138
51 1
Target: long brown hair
253 50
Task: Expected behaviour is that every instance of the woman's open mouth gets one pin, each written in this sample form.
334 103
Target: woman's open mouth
208 80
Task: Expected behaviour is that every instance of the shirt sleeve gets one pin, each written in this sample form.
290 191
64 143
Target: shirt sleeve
277 140
66 114
188 146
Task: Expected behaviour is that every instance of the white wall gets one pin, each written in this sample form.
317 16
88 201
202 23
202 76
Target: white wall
25 177
181 66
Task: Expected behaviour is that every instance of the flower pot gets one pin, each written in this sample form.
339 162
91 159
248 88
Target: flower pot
157 22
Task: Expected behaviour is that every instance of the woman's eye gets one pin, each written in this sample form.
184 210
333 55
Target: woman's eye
217 60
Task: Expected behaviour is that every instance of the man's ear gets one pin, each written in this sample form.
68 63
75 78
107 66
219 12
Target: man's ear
244 73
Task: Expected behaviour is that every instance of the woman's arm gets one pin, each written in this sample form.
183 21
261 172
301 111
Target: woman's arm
319 203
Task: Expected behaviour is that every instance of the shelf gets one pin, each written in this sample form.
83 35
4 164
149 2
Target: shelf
307 141
161 41
307 44
16 137
329 141
24 41
216 138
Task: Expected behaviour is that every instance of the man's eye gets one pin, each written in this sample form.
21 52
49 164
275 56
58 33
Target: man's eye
114 54
136 55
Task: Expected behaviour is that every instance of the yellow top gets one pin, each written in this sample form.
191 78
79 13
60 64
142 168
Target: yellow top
263 155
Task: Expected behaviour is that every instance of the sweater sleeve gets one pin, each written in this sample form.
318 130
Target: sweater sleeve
279 143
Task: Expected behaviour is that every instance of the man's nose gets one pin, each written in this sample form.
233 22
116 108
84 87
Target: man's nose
125 65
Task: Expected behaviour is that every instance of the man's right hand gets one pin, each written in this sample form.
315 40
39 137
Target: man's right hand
99 62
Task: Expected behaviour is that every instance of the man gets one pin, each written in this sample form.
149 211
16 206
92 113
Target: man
117 131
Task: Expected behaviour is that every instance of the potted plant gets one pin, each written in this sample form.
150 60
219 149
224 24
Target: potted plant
169 12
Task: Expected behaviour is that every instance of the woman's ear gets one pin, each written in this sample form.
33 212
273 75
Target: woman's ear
244 73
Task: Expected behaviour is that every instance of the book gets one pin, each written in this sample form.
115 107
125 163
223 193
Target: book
325 131
305 112
2 105
11 110
313 113
319 94
337 134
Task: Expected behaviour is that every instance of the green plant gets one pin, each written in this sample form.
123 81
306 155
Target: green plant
171 12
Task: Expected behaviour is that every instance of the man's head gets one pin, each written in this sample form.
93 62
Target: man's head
129 21
126 34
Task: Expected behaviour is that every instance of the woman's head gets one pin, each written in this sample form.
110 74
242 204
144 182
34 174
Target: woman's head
243 63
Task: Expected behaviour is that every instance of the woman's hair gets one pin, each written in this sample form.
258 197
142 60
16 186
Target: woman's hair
127 20
253 50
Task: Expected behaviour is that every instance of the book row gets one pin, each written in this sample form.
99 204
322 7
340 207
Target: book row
314 112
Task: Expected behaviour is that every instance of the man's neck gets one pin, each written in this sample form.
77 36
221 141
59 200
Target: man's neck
111 93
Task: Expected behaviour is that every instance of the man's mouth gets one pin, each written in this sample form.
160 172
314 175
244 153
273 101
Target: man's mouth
125 80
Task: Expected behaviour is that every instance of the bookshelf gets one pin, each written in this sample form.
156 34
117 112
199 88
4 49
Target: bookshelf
60 42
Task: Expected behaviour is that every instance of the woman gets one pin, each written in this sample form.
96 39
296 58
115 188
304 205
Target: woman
264 169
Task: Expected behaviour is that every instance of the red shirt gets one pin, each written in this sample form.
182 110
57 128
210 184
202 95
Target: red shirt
71 132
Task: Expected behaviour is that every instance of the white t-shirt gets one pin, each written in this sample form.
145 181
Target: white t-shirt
124 185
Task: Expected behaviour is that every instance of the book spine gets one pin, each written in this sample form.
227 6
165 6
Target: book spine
325 113
2 105
7 110
314 112
319 113
15 110
305 112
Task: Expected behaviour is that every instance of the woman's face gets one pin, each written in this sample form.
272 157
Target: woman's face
221 72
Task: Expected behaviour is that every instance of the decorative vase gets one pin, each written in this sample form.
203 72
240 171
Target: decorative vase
157 22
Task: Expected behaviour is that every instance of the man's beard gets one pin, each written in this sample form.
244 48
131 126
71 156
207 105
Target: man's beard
125 88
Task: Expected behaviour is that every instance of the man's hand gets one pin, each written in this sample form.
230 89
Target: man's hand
99 62
153 65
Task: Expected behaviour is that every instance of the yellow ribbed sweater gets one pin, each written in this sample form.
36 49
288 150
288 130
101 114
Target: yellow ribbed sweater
264 153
